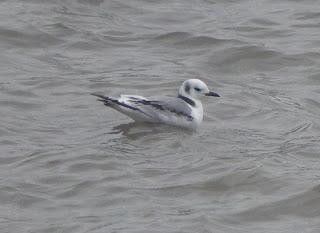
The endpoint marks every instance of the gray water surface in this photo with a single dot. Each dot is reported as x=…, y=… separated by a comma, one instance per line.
x=68, y=164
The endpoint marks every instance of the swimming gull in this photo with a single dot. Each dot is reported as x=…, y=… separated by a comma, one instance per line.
x=185, y=110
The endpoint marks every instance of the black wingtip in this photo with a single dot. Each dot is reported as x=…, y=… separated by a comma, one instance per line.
x=102, y=98
x=98, y=95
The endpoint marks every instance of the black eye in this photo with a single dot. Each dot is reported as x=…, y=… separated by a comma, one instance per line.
x=197, y=89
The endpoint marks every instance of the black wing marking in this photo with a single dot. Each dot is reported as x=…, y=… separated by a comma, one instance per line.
x=161, y=105
x=106, y=100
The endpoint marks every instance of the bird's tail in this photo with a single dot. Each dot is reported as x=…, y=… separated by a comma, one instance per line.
x=104, y=99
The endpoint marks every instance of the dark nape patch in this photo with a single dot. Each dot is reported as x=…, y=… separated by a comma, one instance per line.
x=186, y=99
x=187, y=88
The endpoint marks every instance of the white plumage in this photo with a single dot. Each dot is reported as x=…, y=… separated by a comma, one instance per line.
x=185, y=110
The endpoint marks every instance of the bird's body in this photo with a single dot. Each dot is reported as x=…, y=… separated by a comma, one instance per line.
x=185, y=110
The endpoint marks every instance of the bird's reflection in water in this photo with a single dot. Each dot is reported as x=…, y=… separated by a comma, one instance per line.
x=136, y=130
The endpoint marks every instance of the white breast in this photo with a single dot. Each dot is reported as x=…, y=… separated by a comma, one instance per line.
x=197, y=113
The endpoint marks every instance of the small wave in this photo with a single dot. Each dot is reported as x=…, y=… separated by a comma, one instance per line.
x=298, y=129
x=307, y=25
x=91, y=2
x=314, y=79
x=19, y=105
x=60, y=29
x=245, y=28
x=76, y=189
x=27, y=38
x=201, y=41
x=253, y=58
x=172, y=36
x=305, y=204
x=263, y=22
x=188, y=41
x=307, y=15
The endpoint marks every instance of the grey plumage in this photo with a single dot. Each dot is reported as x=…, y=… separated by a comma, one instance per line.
x=164, y=103
x=151, y=107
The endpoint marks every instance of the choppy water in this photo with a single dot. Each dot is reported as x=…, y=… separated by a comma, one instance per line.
x=70, y=165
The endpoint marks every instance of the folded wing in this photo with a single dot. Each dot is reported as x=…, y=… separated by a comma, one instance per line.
x=155, y=109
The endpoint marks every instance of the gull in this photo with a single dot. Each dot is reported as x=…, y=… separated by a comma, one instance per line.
x=185, y=110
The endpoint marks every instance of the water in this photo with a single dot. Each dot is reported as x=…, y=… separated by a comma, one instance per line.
x=70, y=165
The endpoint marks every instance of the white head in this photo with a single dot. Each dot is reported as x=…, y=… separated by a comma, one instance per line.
x=195, y=89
